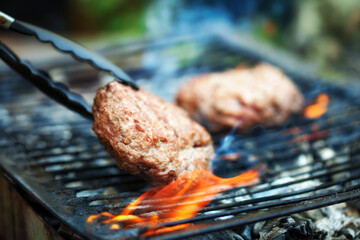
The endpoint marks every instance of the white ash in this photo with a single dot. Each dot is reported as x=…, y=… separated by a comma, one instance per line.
x=240, y=198
x=335, y=220
x=304, y=159
x=241, y=195
x=225, y=217
x=87, y=193
x=290, y=188
x=291, y=227
x=326, y=153
x=74, y=184
x=101, y=162
x=5, y=117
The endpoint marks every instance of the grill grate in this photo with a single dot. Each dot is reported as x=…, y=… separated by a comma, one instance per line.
x=53, y=155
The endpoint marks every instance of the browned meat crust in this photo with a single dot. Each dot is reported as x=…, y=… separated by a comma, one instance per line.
x=147, y=136
x=241, y=98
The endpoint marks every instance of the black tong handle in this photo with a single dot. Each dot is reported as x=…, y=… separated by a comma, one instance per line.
x=42, y=80
x=75, y=50
x=67, y=46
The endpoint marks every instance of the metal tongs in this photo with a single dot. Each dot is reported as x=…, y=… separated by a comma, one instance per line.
x=42, y=80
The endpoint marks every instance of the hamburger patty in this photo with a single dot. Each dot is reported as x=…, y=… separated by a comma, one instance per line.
x=148, y=137
x=241, y=98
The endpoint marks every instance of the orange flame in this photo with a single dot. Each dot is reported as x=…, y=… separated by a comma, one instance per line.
x=179, y=200
x=115, y=226
x=319, y=108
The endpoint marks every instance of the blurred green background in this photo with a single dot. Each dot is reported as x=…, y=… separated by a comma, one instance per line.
x=325, y=32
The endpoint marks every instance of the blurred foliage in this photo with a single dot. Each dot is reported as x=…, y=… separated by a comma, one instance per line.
x=110, y=16
x=326, y=32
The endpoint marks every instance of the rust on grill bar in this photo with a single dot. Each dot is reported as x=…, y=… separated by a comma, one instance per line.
x=55, y=159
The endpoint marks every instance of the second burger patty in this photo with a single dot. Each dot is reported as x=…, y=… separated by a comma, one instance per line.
x=241, y=98
x=147, y=136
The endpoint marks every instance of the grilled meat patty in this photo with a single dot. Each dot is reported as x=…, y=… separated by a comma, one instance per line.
x=241, y=98
x=147, y=136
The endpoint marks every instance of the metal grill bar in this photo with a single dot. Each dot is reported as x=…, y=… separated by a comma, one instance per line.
x=45, y=154
x=262, y=216
x=249, y=191
x=278, y=203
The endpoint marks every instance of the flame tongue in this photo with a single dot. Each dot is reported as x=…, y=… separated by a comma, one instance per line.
x=179, y=200
x=319, y=108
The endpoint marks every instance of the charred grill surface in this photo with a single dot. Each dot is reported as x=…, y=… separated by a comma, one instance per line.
x=55, y=157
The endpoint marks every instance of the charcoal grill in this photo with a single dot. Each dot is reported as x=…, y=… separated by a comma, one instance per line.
x=52, y=154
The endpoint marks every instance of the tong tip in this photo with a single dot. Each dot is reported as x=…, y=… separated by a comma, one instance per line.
x=127, y=82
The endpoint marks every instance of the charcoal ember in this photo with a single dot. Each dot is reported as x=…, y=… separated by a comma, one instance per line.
x=314, y=215
x=345, y=233
x=225, y=235
x=350, y=231
x=338, y=222
x=287, y=228
x=244, y=231
x=354, y=207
